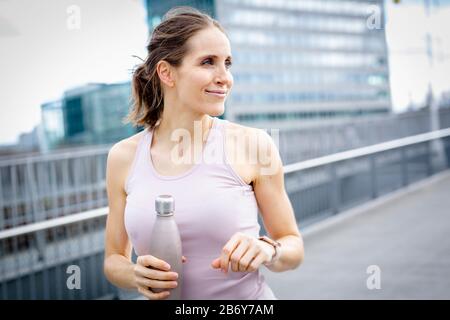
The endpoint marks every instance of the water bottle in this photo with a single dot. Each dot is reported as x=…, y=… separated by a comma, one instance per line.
x=165, y=241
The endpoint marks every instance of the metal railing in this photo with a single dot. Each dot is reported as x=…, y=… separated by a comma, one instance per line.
x=35, y=257
x=42, y=187
x=327, y=185
x=314, y=142
x=45, y=187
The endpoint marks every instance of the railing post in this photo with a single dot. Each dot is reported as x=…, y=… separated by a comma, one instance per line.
x=335, y=188
x=429, y=159
x=40, y=238
x=404, y=166
x=38, y=208
x=13, y=201
x=2, y=206
x=373, y=176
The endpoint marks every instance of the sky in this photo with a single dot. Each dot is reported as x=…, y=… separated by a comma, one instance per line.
x=43, y=52
x=50, y=46
x=409, y=66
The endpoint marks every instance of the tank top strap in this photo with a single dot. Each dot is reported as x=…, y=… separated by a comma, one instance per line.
x=139, y=160
x=216, y=153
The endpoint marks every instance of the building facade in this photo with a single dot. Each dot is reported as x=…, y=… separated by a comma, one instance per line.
x=300, y=62
x=87, y=115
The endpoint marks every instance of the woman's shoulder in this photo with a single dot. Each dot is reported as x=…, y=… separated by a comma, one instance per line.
x=254, y=143
x=251, y=134
x=122, y=152
x=239, y=129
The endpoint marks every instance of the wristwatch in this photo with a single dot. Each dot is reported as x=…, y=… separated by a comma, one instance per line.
x=275, y=245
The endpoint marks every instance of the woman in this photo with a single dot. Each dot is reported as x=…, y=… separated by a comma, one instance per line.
x=181, y=87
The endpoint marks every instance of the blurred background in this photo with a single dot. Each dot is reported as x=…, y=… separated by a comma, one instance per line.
x=360, y=93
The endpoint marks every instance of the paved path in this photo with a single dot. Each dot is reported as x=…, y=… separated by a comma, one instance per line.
x=407, y=237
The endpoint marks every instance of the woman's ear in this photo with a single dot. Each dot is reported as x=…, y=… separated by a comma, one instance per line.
x=165, y=73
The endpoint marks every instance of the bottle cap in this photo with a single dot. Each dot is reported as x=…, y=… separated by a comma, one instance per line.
x=165, y=205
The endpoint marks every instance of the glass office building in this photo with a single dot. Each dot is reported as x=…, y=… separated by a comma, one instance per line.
x=156, y=9
x=300, y=60
x=88, y=115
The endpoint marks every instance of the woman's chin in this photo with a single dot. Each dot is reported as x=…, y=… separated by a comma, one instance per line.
x=215, y=111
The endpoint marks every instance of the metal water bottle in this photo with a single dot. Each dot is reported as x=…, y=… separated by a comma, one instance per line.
x=165, y=241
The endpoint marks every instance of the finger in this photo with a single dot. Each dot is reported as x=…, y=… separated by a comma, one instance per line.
x=153, y=262
x=256, y=263
x=247, y=258
x=156, y=284
x=242, y=248
x=216, y=263
x=183, y=259
x=155, y=274
x=152, y=295
x=227, y=251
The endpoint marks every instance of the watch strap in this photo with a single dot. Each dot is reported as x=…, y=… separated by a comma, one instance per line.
x=276, y=245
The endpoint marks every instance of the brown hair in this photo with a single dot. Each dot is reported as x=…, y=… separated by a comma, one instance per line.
x=168, y=42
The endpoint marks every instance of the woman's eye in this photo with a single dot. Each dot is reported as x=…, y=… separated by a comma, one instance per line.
x=228, y=64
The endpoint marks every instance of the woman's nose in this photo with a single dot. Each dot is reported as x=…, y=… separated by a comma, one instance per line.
x=223, y=77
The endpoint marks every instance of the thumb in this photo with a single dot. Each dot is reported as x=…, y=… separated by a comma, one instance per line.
x=216, y=263
x=183, y=259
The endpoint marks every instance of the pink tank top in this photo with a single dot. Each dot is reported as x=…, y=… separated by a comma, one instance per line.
x=212, y=203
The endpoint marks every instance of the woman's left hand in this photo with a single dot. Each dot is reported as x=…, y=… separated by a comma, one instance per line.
x=244, y=252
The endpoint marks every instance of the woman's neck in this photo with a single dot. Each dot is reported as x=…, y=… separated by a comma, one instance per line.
x=171, y=130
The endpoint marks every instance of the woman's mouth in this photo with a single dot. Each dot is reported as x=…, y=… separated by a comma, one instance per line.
x=220, y=94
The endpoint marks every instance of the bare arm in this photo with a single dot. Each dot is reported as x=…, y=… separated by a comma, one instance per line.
x=118, y=267
x=275, y=206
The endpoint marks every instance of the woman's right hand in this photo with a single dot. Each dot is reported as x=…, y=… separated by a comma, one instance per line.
x=153, y=273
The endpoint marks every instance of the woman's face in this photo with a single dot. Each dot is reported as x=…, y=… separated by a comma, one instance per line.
x=205, y=70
